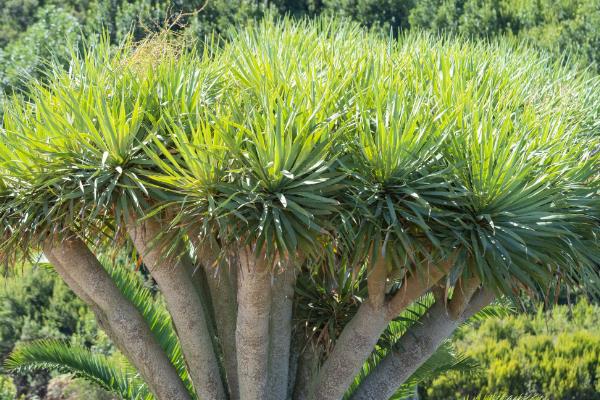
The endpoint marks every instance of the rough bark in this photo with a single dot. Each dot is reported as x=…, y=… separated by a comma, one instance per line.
x=222, y=286
x=352, y=348
x=79, y=292
x=359, y=337
x=463, y=291
x=281, y=331
x=128, y=329
x=308, y=367
x=415, y=347
x=415, y=286
x=184, y=305
x=252, y=328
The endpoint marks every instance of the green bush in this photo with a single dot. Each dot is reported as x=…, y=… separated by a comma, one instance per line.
x=7, y=389
x=554, y=354
x=32, y=30
x=36, y=304
x=560, y=27
x=48, y=38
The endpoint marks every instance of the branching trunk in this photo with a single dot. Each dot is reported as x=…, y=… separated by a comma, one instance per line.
x=186, y=309
x=352, y=348
x=252, y=328
x=359, y=337
x=79, y=292
x=222, y=284
x=415, y=347
x=262, y=328
x=463, y=292
x=281, y=331
x=127, y=327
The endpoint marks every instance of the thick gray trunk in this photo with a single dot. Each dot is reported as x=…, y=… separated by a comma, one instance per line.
x=281, y=332
x=359, y=337
x=415, y=347
x=308, y=367
x=252, y=328
x=79, y=292
x=222, y=284
x=128, y=328
x=186, y=309
x=352, y=348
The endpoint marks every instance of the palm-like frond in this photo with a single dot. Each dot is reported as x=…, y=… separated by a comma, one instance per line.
x=443, y=360
x=153, y=311
x=119, y=378
x=116, y=377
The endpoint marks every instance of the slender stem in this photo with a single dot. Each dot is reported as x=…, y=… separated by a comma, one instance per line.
x=414, y=348
x=222, y=286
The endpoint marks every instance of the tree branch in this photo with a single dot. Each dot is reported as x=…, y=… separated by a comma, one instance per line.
x=463, y=291
x=185, y=307
x=127, y=327
x=376, y=281
x=359, y=337
x=281, y=330
x=252, y=328
x=415, y=286
x=222, y=286
x=415, y=347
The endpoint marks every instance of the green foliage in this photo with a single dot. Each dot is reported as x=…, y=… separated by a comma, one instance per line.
x=97, y=368
x=422, y=147
x=553, y=354
x=36, y=304
x=7, y=388
x=34, y=30
x=48, y=38
x=561, y=27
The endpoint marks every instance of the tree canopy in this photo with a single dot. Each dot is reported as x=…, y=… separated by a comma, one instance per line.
x=422, y=158
x=310, y=135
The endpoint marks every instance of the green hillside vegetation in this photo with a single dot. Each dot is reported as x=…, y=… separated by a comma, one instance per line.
x=36, y=304
x=32, y=30
x=555, y=354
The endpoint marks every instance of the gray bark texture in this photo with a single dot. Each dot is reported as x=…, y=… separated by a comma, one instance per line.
x=281, y=331
x=252, y=328
x=222, y=284
x=415, y=347
x=186, y=309
x=352, y=348
x=359, y=337
x=128, y=329
x=308, y=367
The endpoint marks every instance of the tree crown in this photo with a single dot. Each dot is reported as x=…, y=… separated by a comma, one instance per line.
x=319, y=138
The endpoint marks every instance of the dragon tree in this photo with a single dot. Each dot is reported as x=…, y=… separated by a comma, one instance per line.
x=245, y=176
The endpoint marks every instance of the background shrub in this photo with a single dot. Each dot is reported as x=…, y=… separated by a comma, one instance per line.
x=36, y=304
x=555, y=354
